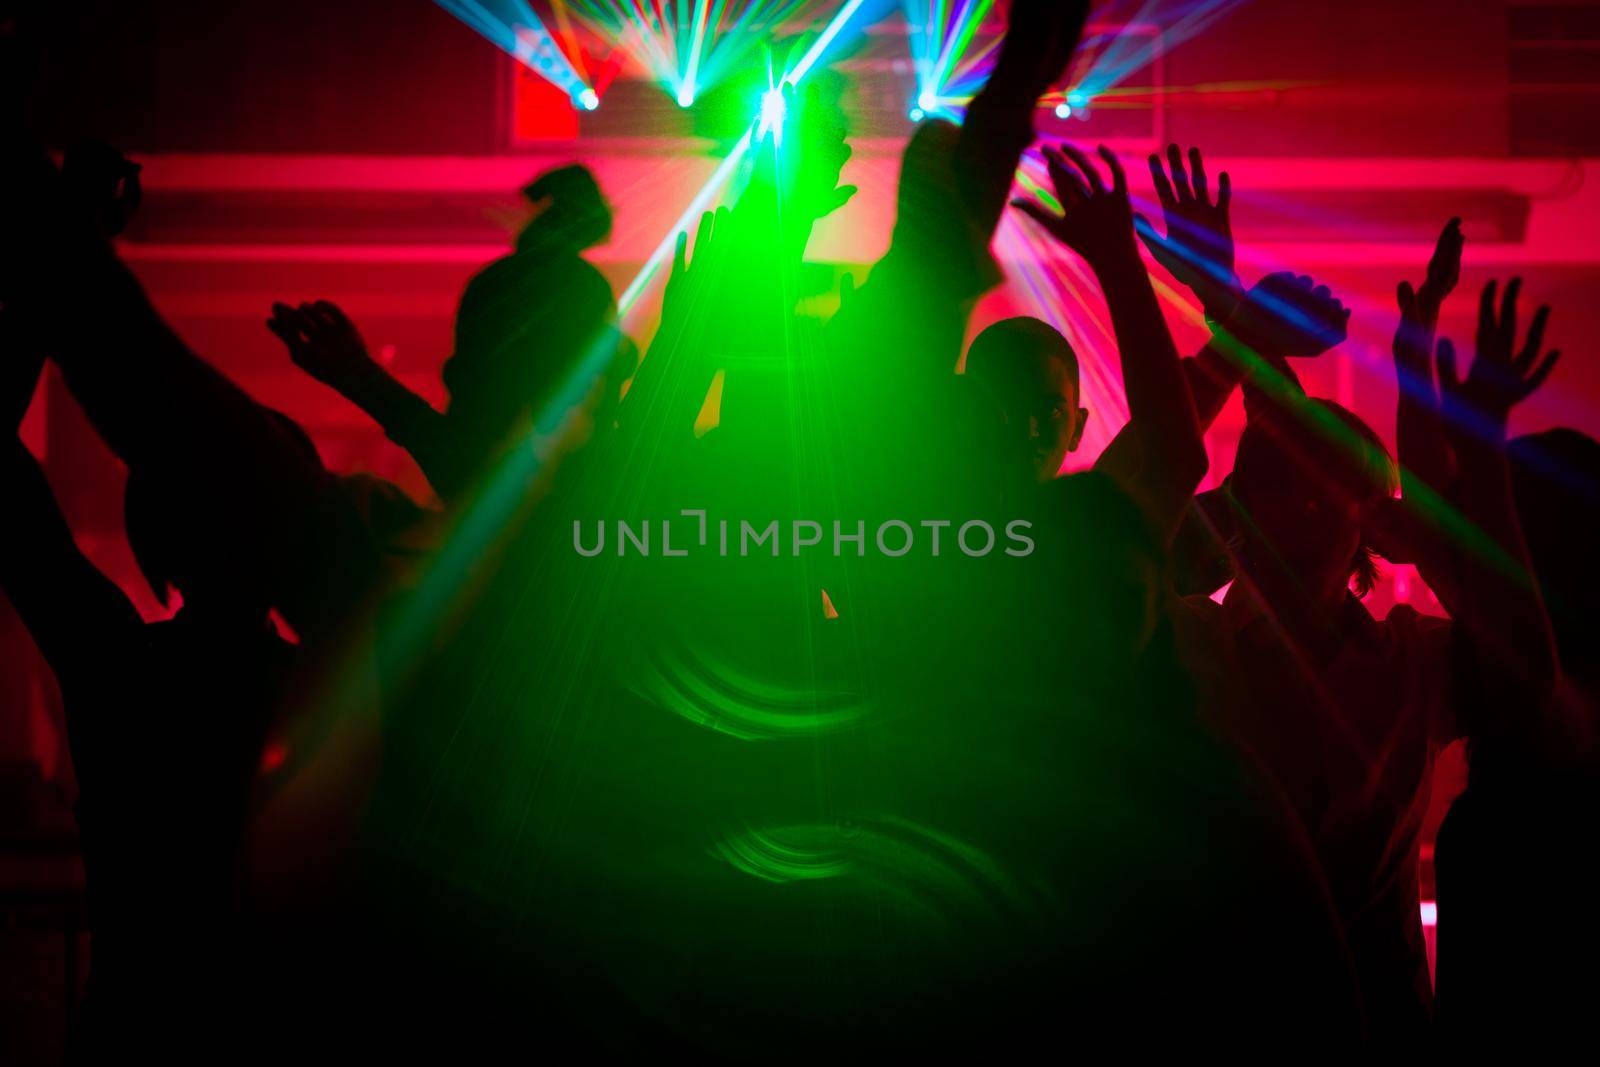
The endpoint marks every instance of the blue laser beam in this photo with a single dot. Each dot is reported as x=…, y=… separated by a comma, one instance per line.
x=1127, y=53
x=512, y=27
x=814, y=54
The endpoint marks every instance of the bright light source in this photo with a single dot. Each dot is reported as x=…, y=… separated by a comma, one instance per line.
x=820, y=45
x=928, y=102
x=917, y=114
x=1063, y=111
x=686, y=97
x=774, y=109
x=589, y=99
x=1076, y=98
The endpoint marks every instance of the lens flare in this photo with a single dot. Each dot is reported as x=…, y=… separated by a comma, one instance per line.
x=774, y=109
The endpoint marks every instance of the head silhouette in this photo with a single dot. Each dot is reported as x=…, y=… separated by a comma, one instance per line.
x=1305, y=496
x=1032, y=372
x=521, y=331
x=572, y=212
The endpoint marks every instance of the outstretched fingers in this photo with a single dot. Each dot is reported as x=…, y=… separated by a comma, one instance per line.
x=1037, y=212
x=1158, y=176
x=287, y=323
x=1542, y=372
x=1444, y=269
x=1487, y=327
x=1449, y=379
x=1091, y=174
x=1197, y=175
x=680, y=257
x=1507, y=335
x=1406, y=297
x=705, y=232
x=1119, y=177
x=329, y=316
x=1530, y=351
x=1180, y=179
x=1066, y=181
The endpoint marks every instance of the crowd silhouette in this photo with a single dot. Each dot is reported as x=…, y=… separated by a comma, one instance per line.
x=423, y=779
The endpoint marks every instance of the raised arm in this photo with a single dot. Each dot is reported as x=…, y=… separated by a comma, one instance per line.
x=1198, y=247
x=1283, y=315
x=1501, y=615
x=1254, y=334
x=1041, y=36
x=323, y=342
x=671, y=383
x=161, y=407
x=1198, y=250
x=954, y=184
x=1414, y=527
x=1098, y=225
x=1425, y=461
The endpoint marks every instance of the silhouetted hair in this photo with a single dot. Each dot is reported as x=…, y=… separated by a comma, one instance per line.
x=1001, y=355
x=1343, y=451
x=575, y=214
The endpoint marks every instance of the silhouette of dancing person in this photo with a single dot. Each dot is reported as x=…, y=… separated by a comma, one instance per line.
x=526, y=323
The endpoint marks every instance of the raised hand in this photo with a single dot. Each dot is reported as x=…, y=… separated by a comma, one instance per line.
x=794, y=186
x=1198, y=247
x=813, y=188
x=690, y=285
x=1426, y=461
x=1498, y=379
x=1097, y=222
x=682, y=352
x=1444, y=272
x=1291, y=316
x=1419, y=308
x=1496, y=601
x=323, y=342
